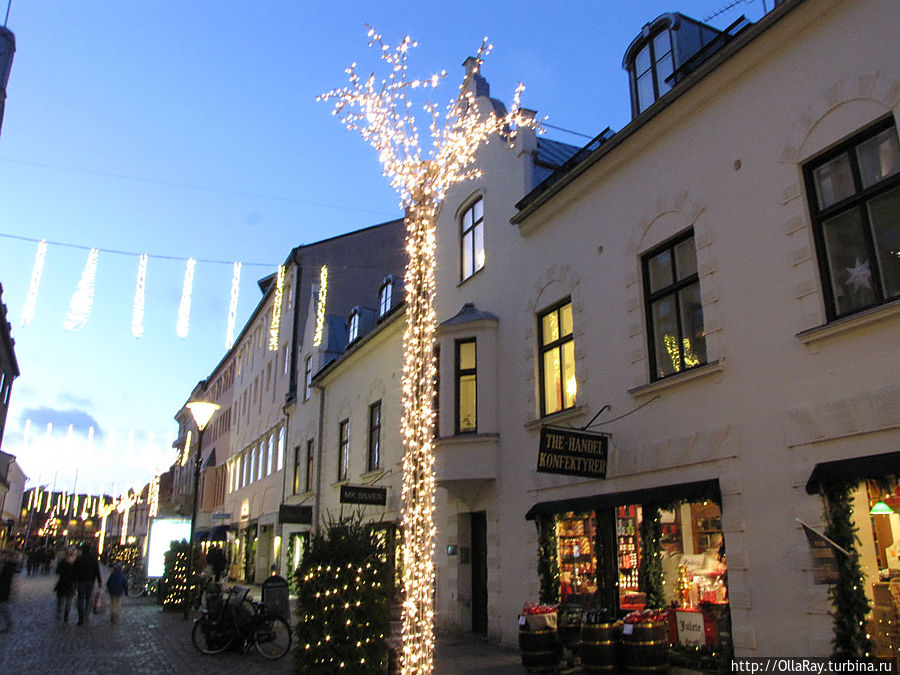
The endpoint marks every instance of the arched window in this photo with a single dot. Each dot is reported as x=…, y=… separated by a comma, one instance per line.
x=472, y=239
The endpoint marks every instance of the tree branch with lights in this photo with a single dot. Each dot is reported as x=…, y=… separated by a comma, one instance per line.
x=382, y=112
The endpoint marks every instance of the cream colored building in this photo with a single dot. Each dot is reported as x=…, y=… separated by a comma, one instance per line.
x=734, y=379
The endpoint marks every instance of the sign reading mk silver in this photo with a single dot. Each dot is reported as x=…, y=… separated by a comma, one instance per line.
x=572, y=452
x=361, y=494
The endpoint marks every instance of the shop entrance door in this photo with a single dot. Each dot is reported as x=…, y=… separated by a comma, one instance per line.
x=479, y=574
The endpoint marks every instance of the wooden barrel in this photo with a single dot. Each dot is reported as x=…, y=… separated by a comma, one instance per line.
x=540, y=649
x=599, y=648
x=646, y=648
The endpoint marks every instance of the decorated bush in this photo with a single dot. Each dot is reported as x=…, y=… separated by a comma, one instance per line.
x=174, y=584
x=343, y=616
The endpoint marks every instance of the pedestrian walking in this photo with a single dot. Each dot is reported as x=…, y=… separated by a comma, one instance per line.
x=66, y=584
x=7, y=569
x=117, y=585
x=87, y=570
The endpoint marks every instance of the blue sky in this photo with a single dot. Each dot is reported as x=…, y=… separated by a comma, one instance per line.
x=191, y=129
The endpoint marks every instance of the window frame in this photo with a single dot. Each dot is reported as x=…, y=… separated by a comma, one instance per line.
x=373, y=461
x=674, y=289
x=477, y=227
x=307, y=378
x=658, y=82
x=297, y=466
x=343, y=472
x=352, y=326
x=856, y=203
x=385, y=296
x=557, y=344
x=310, y=459
x=459, y=373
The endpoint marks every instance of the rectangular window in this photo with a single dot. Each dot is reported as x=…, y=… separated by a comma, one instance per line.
x=307, y=379
x=298, y=468
x=279, y=450
x=466, y=387
x=270, y=457
x=344, y=450
x=310, y=448
x=472, y=239
x=674, y=311
x=854, y=196
x=557, y=362
x=374, y=460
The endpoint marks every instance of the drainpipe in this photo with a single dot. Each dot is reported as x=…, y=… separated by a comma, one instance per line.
x=320, y=435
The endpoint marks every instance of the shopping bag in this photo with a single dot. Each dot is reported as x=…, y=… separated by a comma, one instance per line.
x=98, y=602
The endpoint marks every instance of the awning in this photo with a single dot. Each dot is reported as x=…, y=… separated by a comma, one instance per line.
x=219, y=533
x=855, y=468
x=201, y=535
x=664, y=494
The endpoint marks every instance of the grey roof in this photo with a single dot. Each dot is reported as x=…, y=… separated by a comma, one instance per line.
x=469, y=313
x=553, y=153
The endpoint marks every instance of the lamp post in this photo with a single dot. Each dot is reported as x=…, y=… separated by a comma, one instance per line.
x=202, y=412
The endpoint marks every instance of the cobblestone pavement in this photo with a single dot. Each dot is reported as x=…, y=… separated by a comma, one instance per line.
x=147, y=640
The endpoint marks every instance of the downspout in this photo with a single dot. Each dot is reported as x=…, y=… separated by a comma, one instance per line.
x=320, y=435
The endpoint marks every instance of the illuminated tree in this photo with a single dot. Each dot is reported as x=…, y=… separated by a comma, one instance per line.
x=381, y=111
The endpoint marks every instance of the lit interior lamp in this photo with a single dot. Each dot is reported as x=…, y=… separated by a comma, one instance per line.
x=880, y=508
x=202, y=412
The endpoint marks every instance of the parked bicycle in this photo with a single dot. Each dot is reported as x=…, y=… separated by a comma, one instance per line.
x=231, y=620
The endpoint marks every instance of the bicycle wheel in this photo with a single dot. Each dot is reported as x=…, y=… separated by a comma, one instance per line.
x=272, y=637
x=211, y=637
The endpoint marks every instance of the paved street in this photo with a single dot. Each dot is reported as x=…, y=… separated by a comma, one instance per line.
x=148, y=640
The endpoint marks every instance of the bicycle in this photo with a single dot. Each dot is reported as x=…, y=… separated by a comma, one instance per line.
x=235, y=621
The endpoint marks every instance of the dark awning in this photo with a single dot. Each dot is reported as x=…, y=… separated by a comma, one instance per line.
x=698, y=491
x=219, y=533
x=201, y=535
x=855, y=468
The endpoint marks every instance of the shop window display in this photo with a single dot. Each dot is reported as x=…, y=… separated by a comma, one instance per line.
x=576, y=535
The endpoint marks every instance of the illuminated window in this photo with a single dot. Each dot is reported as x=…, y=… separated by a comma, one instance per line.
x=557, y=362
x=279, y=450
x=310, y=449
x=374, y=460
x=352, y=326
x=270, y=456
x=677, y=339
x=298, y=469
x=466, y=387
x=307, y=378
x=854, y=197
x=472, y=239
x=385, y=293
x=344, y=450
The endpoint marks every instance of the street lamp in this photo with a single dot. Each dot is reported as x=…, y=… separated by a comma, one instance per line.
x=202, y=412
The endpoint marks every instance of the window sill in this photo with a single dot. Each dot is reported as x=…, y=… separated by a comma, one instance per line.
x=850, y=323
x=699, y=372
x=556, y=418
x=338, y=483
x=462, y=439
x=302, y=496
x=471, y=276
x=372, y=475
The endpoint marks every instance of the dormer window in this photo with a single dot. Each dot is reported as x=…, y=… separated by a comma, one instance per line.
x=652, y=65
x=385, y=296
x=352, y=326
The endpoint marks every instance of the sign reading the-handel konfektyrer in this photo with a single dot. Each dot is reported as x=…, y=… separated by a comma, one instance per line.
x=573, y=453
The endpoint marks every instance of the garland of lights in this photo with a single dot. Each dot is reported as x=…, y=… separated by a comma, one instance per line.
x=381, y=113
x=233, y=304
x=36, y=272
x=83, y=298
x=548, y=559
x=184, y=307
x=276, y=310
x=137, y=313
x=650, y=573
x=320, y=306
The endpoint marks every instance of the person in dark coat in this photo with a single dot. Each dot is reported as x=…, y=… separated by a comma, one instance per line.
x=7, y=569
x=216, y=560
x=87, y=570
x=66, y=584
x=117, y=585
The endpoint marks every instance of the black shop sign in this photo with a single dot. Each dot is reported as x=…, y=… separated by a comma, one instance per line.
x=572, y=452
x=361, y=494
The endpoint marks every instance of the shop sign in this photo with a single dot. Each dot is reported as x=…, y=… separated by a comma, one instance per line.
x=690, y=628
x=824, y=555
x=572, y=452
x=361, y=494
x=289, y=513
x=217, y=515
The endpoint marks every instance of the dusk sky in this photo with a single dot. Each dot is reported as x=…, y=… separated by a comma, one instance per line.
x=191, y=130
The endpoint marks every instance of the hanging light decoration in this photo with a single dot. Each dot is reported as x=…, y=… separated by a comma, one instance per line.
x=232, y=306
x=184, y=307
x=276, y=310
x=137, y=313
x=381, y=113
x=320, y=306
x=83, y=298
x=36, y=272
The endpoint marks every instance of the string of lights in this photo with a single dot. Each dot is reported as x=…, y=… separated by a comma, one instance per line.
x=382, y=114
